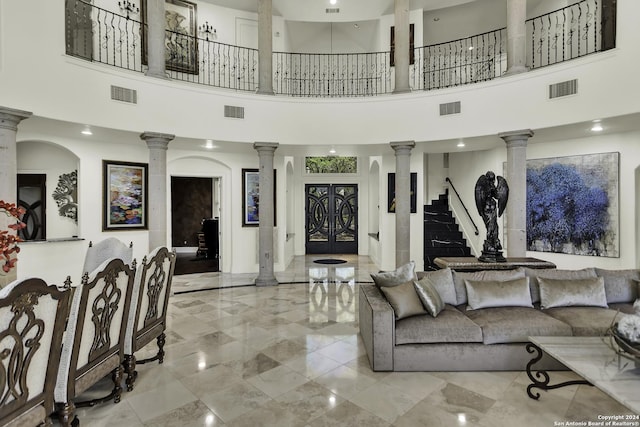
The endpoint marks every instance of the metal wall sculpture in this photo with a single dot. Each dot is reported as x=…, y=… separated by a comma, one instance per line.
x=491, y=199
x=66, y=195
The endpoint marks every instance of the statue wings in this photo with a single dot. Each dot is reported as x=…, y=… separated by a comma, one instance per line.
x=483, y=191
x=502, y=195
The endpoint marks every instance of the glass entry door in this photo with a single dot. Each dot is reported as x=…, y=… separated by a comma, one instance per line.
x=331, y=218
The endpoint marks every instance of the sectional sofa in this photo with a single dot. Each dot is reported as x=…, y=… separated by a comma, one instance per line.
x=485, y=317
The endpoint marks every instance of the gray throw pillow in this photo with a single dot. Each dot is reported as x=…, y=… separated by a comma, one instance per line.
x=567, y=293
x=499, y=275
x=429, y=296
x=553, y=273
x=620, y=285
x=404, y=300
x=442, y=281
x=493, y=293
x=400, y=275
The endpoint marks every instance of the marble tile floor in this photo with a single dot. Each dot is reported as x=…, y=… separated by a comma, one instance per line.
x=290, y=355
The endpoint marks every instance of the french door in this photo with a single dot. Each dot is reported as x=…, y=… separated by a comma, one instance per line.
x=331, y=218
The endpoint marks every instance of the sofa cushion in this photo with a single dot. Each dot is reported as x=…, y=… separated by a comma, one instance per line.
x=620, y=285
x=404, y=300
x=622, y=307
x=451, y=325
x=501, y=275
x=576, y=292
x=515, y=324
x=553, y=273
x=429, y=296
x=400, y=275
x=493, y=293
x=584, y=321
x=442, y=280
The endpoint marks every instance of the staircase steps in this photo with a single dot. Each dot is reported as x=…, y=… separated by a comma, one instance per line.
x=442, y=236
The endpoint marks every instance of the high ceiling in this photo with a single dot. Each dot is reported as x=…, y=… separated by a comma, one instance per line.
x=350, y=10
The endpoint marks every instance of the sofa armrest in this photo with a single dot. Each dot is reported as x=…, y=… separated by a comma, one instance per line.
x=377, y=322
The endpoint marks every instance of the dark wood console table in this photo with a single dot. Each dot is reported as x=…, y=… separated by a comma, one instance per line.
x=472, y=263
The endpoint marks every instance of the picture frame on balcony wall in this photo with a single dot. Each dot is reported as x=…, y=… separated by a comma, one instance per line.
x=251, y=197
x=124, y=199
x=181, y=42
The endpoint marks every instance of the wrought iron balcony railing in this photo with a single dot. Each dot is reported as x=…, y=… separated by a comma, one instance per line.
x=103, y=36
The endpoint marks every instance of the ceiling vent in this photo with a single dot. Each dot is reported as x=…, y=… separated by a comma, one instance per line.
x=450, y=108
x=123, y=94
x=570, y=87
x=234, y=112
x=332, y=10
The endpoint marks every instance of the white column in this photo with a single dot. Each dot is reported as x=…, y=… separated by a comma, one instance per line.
x=265, y=47
x=9, y=120
x=401, y=53
x=403, y=200
x=516, y=36
x=516, y=210
x=157, y=187
x=155, y=39
x=266, y=211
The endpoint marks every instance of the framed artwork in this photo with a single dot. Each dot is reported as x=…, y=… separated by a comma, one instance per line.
x=391, y=192
x=412, y=56
x=251, y=197
x=181, y=43
x=124, y=195
x=572, y=205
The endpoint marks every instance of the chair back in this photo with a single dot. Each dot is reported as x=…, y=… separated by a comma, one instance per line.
x=93, y=343
x=150, y=299
x=104, y=250
x=32, y=322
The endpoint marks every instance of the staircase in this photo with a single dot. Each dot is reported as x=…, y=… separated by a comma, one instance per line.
x=442, y=236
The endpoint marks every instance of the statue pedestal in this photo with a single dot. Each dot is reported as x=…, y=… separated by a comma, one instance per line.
x=492, y=257
x=474, y=264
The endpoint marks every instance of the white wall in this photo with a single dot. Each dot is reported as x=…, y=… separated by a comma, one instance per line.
x=452, y=23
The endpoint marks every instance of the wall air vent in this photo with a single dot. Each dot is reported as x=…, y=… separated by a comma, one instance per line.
x=332, y=10
x=234, y=112
x=450, y=108
x=570, y=87
x=123, y=94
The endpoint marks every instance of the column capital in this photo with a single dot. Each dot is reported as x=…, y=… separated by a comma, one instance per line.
x=10, y=118
x=402, y=147
x=265, y=146
x=157, y=140
x=516, y=138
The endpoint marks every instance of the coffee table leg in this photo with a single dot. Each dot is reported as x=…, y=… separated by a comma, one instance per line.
x=540, y=379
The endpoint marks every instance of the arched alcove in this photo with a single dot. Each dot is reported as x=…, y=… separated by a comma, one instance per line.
x=374, y=210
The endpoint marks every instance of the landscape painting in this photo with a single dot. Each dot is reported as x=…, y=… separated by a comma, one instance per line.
x=572, y=205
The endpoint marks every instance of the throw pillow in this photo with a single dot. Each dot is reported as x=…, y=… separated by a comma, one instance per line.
x=554, y=273
x=429, y=296
x=499, y=275
x=400, y=275
x=577, y=292
x=493, y=293
x=404, y=300
x=619, y=285
x=442, y=281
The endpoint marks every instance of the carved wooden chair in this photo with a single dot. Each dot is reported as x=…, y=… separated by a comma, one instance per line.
x=106, y=249
x=93, y=342
x=32, y=321
x=148, y=315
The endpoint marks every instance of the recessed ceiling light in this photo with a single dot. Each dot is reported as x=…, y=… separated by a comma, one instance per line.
x=333, y=1
x=86, y=131
x=460, y=144
x=597, y=126
x=209, y=145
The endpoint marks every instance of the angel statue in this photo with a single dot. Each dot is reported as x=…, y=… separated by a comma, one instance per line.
x=491, y=201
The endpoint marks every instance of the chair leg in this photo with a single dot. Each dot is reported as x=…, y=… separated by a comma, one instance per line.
x=161, y=341
x=129, y=365
x=116, y=376
x=66, y=414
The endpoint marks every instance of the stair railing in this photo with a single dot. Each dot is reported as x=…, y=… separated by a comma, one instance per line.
x=463, y=205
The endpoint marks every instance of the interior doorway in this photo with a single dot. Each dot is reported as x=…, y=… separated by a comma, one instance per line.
x=331, y=225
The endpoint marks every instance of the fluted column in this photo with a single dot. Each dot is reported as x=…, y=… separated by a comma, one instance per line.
x=401, y=53
x=265, y=47
x=266, y=211
x=9, y=120
x=403, y=200
x=157, y=188
x=155, y=39
x=516, y=210
x=516, y=36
